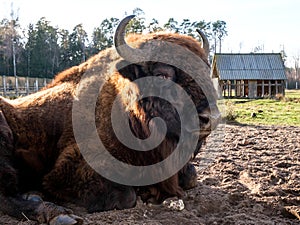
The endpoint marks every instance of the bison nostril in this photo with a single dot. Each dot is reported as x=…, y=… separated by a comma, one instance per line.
x=210, y=118
x=204, y=119
x=210, y=122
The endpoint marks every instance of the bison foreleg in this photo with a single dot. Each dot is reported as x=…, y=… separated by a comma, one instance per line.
x=187, y=177
x=72, y=179
x=14, y=204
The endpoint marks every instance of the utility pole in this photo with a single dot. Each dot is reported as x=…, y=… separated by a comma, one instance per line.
x=13, y=39
x=14, y=65
x=296, y=70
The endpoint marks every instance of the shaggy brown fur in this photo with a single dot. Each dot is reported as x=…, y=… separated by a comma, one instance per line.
x=39, y=152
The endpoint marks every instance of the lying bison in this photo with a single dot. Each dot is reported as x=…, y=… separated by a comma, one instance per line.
x=39, y=150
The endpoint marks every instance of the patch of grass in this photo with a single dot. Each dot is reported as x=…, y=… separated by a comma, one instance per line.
x=278, y=111
x=292, y=94
x=230, y=114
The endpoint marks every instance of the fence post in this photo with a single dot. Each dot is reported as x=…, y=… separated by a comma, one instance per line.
x=17, y=86
x=4, y=85
x=36, y=84
x=27, y=86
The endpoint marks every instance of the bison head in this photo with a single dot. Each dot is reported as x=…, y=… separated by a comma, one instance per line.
x=157, y=55
x=156, y=98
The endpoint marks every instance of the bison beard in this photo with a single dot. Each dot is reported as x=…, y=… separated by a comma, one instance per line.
x=38, y=151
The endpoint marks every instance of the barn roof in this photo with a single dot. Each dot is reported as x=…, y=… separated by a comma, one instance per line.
x=252, y=66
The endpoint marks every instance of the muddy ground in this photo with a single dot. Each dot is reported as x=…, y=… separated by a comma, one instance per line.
x=247, y=175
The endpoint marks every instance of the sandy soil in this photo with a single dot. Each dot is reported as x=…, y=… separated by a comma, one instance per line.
x=247, y=175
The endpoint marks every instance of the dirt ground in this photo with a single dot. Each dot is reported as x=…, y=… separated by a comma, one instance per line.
x=247, y=175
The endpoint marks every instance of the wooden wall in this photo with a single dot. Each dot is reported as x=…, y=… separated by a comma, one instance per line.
x=252, y=88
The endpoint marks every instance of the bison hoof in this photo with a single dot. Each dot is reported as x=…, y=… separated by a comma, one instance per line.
x=32, y=197
x=66, y=220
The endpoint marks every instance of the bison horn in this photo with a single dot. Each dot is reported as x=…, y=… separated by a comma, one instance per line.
x=124, y=50
x=205, y=43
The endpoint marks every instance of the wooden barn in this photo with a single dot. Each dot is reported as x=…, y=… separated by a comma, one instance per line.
x=252, y=75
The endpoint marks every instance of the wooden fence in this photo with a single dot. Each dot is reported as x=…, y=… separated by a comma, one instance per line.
x=11, y=86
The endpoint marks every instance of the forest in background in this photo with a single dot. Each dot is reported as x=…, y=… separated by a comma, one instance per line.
x=42, y=50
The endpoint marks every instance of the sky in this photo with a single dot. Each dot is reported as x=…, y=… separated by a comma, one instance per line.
x=272, y=25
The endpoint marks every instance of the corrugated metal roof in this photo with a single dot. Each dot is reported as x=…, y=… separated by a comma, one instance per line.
x=263, y=66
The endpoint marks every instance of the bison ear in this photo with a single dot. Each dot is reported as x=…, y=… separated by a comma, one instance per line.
x=131, y=71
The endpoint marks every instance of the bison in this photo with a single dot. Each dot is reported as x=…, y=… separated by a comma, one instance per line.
x=40, y=149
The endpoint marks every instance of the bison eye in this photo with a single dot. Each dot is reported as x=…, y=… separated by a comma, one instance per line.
x=164, y=71
x=164, y=76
